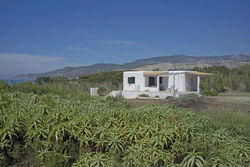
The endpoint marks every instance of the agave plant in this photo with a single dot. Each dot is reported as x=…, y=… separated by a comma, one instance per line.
x=132, y=135
x=60, y=132
x=83, y=160
x=93, y=160
x=105, y=132
x=165, y=137
x=115, y=142
x=193, y=159
x=13, y=129
x=86, y=143
x=147, y=130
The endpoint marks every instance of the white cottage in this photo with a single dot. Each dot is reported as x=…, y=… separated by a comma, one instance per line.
x=162, y=84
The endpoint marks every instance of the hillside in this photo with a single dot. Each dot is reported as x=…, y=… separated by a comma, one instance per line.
x=163, y=63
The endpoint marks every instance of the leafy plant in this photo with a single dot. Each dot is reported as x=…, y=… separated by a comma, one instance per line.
x=59, y=131
x=193, y=159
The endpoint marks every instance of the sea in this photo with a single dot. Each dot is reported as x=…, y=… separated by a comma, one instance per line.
x=14, y=81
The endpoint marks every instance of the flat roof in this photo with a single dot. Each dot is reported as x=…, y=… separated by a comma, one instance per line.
x=154, y=73
x=199, y=73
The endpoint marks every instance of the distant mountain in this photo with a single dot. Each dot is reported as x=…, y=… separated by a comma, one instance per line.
x=163, y=63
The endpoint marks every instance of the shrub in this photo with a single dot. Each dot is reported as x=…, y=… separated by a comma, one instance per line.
x=210, y=93
x=42, y=80
x=101, y=91
x=4, y=86
x=190, y=95
x=235, y=79
x=143, y=95
x=113, y=77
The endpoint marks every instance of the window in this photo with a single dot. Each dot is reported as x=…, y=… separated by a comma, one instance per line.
x=131, y=80
x=152, y=81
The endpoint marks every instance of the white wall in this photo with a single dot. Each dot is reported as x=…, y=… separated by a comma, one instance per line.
x=177, y=79
x=135, y=94
x=171, y=81
x=181, y=85
x=164, y=84
x=139, y=80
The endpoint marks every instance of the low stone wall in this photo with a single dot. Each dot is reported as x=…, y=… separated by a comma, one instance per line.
x=160, y=95
x=115, y=93
x=135, y=94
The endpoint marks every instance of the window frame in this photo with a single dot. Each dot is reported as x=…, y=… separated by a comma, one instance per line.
x=150, y=82
x=131, y=80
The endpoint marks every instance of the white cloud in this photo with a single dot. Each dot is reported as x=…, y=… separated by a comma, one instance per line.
x=15, y=64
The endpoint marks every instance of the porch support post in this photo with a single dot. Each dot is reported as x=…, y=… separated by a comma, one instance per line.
x=198, y=84
x=158, y=83
x=211, y=83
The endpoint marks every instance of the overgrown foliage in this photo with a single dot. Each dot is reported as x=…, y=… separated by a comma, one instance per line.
x=50, y=130
x=51, y=80
x=105, y=81
x=112, y=79
x=4, y=86
x=209, y=92
x=225, y=79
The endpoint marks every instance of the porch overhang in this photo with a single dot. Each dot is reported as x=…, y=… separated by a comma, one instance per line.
x=199, y=73
x=155, y=73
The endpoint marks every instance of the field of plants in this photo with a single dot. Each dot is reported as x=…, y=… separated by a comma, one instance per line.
x=52, y=130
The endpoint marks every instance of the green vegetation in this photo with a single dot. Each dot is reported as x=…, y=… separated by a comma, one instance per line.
x=225, y=79
x=209, y=92
x=143, y=95
x=4, y=86
x=106, y=82
x=112, y=79
x=238, y=122
x=53, y=80
x=53, y=122
x=51, y=130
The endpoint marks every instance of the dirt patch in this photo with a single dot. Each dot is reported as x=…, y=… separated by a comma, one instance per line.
x=223, y=103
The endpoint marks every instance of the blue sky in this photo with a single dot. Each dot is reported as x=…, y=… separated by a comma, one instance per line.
x=38, y=36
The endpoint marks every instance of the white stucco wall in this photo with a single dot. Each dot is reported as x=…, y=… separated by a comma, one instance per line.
x=171, y=81
x=179, y=79
x=181, y=85
x=164, y=84
x=139, y=80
